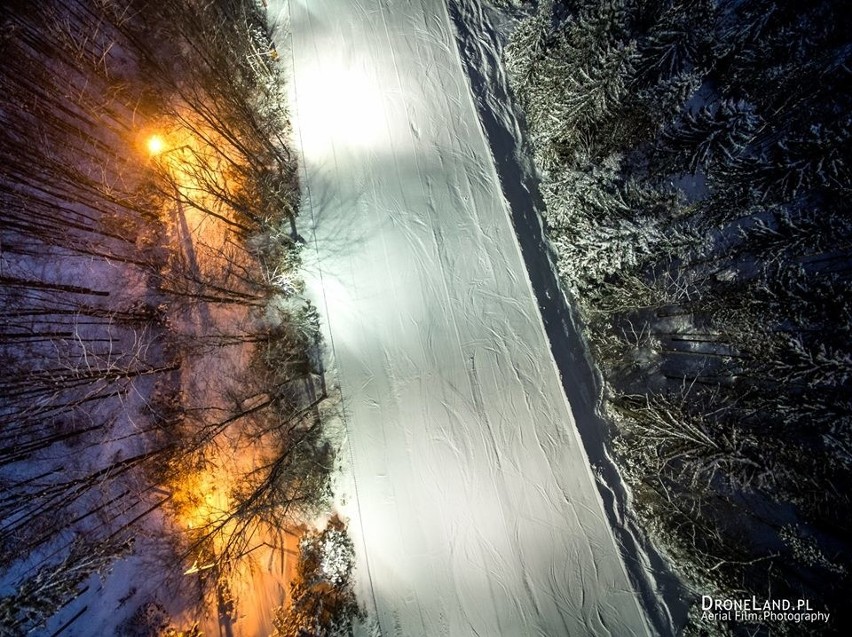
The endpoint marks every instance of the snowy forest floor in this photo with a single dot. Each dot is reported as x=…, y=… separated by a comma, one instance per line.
x=161, y=402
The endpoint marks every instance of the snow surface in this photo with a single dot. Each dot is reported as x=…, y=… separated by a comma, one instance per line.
x=476, y=510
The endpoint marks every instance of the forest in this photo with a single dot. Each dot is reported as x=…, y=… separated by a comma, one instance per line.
x=694, y=160
x=160, y=385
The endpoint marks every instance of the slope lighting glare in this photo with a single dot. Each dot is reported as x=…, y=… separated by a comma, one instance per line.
x=345, y=104
x=156, y=144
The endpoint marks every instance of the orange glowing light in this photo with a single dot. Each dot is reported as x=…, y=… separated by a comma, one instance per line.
x=156, y=144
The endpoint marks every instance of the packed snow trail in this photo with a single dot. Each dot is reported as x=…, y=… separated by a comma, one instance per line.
x=476, y=512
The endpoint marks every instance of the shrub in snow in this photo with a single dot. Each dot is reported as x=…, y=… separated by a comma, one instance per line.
x=322, y=602
x=152, y=620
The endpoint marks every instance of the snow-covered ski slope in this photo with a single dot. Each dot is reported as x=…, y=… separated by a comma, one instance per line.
x=477, y=512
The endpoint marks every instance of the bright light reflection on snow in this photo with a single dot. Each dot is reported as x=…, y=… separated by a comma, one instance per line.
x=344, y=104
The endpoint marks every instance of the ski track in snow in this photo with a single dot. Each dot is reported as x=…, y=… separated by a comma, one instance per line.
x=477, y=512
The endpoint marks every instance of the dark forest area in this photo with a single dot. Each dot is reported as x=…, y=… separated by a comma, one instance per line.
x=695, y=165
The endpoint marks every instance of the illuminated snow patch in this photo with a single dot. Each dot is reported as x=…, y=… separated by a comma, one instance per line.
x=343, y=103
